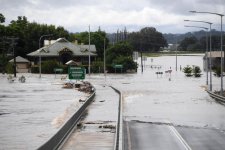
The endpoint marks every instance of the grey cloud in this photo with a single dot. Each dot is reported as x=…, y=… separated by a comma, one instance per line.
x=13, y=4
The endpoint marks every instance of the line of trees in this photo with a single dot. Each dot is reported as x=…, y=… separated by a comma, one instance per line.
x=28, y=33
x=148, y=39
x=194, y=44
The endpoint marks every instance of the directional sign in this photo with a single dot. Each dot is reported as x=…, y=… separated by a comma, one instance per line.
x=76, y=73
x=118, y=66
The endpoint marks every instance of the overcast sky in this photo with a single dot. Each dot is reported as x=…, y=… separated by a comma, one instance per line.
x=75, y=15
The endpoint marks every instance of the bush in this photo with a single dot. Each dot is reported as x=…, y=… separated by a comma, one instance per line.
x=9, y=68
x=48, y=66
x=35, y=69
x=127, y=62
x=97, y=67
x=120, y=53
x=196, y=71
x=217, y=71
x=188, y=71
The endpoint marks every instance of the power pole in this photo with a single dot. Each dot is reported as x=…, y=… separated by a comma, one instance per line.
x=13, y=43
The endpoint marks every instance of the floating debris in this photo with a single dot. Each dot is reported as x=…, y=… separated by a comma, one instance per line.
x=22, y=79
x=86, y=87
x=81, y=100
x=10, y=79
x=68, y=85
x=107, y=126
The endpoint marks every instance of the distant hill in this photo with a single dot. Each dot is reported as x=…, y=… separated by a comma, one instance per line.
x=171, y=38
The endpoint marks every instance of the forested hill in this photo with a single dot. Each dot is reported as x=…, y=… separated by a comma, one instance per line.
x=172, y=38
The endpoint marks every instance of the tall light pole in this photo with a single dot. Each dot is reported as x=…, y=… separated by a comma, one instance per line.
x=89, y=57
x=40, y=52
x=206, y=49
x=104, y=60
x=176, y=53
x=210, y=49
x=221, y=46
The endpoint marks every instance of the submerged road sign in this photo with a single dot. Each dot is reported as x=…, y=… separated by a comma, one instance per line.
x=76, y=73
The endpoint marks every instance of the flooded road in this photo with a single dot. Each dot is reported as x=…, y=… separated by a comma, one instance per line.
x=169, y=111
x=32, y=112
x=175, y=114
x=97, y=129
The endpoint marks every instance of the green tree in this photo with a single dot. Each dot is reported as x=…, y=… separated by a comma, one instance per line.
x=147, y=39
x=2, y=18
x=196, y=71
x=188, y=71
x=28, y=34
x=189, y=43
x=96, y=38
x=120, y=53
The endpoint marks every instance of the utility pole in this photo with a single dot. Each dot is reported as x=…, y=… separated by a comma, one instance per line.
x=13, y=39
x=104, y=61
x=89, y=57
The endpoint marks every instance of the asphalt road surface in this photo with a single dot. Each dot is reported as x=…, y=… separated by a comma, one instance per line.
x=165, y=136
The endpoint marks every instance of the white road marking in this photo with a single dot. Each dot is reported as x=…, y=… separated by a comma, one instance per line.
x=128, y=137
x=177, y=134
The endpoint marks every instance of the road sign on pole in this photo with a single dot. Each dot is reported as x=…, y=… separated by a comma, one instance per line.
x=76, y=73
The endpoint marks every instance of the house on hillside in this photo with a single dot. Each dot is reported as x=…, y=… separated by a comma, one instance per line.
x=63, y=51
x=22, y=64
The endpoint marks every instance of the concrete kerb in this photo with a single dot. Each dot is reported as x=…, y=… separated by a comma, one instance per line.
x=217, y=97
x=56, y=141
x=118, y=143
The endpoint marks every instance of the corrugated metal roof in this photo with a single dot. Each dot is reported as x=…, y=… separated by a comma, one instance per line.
x=62, y=44
x=20, y=59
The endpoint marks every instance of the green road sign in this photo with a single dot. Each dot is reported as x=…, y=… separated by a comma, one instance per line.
x=76, y=73
x=118, y=66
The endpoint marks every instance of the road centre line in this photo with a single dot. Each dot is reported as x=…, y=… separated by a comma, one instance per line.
x=128, y=136
x=177, y=134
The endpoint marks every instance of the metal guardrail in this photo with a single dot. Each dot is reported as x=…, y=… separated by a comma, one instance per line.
x=219, y=98
x=118, y=144
x=60, y=137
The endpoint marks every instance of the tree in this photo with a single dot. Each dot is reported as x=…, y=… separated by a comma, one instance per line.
x=147, y=39
x=28, y=34
x=96, y=38
x=188, y=43
x=196, y=71
x=2, y=18
x=120, y=53
x=188, y=71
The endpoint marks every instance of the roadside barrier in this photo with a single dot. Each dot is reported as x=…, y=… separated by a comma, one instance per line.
x=217, y=97
x=118, y=144
x=60, y=137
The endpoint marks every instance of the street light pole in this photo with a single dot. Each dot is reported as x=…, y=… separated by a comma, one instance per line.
x=89, y=57
x=221, y=48
x=40, y=52
x=104, y=60
x=176, y=53
x=210, y=49
x=206, y=50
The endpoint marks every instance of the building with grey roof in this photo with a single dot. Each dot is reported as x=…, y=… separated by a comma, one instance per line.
x=22, y=64
x=64, y=51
